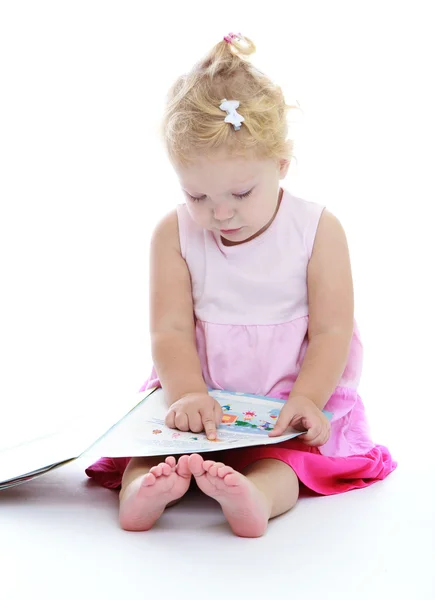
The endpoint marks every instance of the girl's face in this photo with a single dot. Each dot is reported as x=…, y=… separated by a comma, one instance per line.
x=232, y=196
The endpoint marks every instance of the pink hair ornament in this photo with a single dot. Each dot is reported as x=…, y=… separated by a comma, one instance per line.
x=232, y=36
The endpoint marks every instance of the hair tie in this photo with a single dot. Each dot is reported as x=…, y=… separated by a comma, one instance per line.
x=232, y=36
x=233, y=117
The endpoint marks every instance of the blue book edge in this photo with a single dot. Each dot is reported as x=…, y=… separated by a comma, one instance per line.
x=328, y=414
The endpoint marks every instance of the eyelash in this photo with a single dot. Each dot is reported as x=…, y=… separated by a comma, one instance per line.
x=240, y=197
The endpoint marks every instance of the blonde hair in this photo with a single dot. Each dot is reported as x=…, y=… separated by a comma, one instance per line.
x=194, y=124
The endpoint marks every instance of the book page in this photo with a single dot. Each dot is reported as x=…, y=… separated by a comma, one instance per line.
x=246, y=421
x=30, y=459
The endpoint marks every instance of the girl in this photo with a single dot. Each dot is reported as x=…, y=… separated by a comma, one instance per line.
x=251, y=290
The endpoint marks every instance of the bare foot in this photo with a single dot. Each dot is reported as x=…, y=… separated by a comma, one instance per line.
x=146, y=497
x=244, y=506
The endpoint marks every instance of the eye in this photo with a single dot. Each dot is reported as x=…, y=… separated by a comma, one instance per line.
x=195, y=199
x=239, y=196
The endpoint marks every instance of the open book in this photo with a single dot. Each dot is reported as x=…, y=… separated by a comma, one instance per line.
x=247, y=420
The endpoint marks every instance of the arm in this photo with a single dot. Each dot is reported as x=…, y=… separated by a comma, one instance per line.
x=331, y=308
x=172, y=329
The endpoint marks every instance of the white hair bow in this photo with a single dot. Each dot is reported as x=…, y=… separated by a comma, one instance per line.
x=233, y=117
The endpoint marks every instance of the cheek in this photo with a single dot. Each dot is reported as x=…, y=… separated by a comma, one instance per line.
x=198, y=213
x=260, y=213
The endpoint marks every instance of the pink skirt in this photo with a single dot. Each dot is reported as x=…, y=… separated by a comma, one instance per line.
x=319, y=474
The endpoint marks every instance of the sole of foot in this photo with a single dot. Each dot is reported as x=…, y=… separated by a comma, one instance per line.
x=146, y=497
x=243, y=504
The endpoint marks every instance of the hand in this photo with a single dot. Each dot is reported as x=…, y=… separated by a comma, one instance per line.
x=195, y=412
x=302, y=414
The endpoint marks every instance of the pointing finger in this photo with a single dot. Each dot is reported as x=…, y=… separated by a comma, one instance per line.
x=218, y=413
x=208, y=420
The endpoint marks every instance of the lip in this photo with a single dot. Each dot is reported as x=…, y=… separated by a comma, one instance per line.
x=230, y=230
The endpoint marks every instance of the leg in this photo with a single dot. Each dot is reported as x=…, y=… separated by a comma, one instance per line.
x=148, y=487
x=268, y=488
x=278, y=482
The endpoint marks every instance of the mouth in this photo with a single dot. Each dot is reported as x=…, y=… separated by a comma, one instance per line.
x=230, y=231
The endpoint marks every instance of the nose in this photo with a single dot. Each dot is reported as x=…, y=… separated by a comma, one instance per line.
x=223, y=212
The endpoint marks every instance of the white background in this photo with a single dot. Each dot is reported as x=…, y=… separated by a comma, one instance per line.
x=84, y=178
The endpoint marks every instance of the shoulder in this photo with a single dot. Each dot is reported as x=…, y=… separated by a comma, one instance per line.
x=329, y=265
x=166, y=231
x=303, y=221
x=179, y=230
x=304, y=214
x=330, y=234
x=301, y=207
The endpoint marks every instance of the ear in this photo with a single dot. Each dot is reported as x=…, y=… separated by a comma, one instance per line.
x=284, y=165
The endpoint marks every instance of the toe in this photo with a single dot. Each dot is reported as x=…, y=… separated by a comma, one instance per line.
x=166, y=469
x=213, y=468
x=156, y=471
x=225, y=470
x=149, y=479
x=183, y=466
x=170, y=460
x=196, y=463
x=232, y=479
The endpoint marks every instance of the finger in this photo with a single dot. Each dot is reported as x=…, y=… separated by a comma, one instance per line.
x=321, y=439
x=209, y=424
x=281, y=425
x=300, y=423
x=218, y=413
x=314, y=437
x=170, y=419
x=195, y=422
x=182, y=422
x=277, y=430
x=312, y=433
x=327, y=434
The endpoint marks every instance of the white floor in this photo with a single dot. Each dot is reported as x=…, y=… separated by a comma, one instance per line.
x=59, y=538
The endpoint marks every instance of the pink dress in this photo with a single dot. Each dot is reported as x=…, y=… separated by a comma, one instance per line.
x=251, y=309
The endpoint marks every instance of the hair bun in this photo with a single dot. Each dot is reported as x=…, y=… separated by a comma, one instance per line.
x=239, y=44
